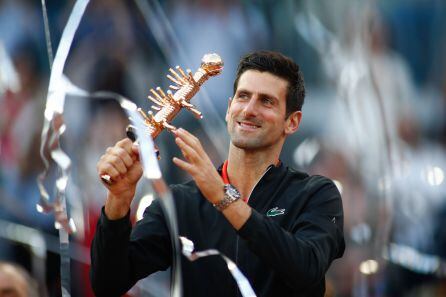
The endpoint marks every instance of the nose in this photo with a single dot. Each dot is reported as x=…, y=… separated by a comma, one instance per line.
x=250, y=109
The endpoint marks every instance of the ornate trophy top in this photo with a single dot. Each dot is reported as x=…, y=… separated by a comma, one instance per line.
x=186, y=85
x=212, y=63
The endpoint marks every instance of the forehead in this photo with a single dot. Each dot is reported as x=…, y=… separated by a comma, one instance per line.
x=263, y=83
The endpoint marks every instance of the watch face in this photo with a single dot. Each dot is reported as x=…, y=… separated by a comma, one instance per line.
x=232, y=191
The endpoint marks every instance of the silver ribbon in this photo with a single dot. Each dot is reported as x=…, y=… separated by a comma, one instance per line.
x=242, y=282
x=53, y=128
x=49, y=47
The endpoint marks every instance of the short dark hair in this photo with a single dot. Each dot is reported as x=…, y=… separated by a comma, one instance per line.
x=281, y=66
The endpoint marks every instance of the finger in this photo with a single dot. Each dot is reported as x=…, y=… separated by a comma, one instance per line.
x=108, y=169
x=135, y=172
x=188, y=138
x=123, y=155
x=117, y=163
x=188, y=152
x=187, y=133
x=125, y=144
x=183, y=165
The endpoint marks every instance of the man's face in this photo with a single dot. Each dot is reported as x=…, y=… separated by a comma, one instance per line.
x=256, y=115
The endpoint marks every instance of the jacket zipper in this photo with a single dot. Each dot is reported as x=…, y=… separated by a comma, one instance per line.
x=249, y=197
x=237, y=239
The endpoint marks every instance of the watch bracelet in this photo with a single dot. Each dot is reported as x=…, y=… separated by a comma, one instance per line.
x=224, y=203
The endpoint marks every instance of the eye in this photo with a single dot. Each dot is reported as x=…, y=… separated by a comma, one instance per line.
x=267, y=101
x=242, y=96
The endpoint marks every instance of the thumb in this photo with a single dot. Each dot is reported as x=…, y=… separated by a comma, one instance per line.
x=135, y=171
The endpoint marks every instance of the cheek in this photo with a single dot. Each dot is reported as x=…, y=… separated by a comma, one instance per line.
x=232, y=112
x=272, y=117
x=276, y=122
x=229, y=115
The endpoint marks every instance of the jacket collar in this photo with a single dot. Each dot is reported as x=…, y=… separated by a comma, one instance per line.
x=271, y=171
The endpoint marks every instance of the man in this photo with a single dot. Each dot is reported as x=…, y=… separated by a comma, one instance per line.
x=282, y=233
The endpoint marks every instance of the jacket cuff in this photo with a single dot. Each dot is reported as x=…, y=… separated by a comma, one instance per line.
x=250, y=228
x=116, y=226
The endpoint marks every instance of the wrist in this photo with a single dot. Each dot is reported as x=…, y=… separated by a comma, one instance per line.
x=116, y=208
x=215, y=193
x=230, y=195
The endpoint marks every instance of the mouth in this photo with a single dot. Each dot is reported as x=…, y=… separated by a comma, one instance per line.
x=248, y=125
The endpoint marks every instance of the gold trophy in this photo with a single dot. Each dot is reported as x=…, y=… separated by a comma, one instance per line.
x=168, y=104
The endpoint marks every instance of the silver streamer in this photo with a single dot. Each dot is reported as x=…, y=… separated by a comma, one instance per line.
x=53, y=128
x=49, y=46
x=242, y=282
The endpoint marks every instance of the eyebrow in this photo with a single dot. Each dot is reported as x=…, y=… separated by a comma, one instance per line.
x=241, y=90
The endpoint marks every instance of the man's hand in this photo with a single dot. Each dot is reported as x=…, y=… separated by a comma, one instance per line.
x=198, y=165
x=121, y=163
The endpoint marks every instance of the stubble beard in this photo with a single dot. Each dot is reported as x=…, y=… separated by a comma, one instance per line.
x=246, y=144
x=245, y=141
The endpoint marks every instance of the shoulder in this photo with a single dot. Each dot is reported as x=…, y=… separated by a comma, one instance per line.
x=320, y=181
x=315, y=189
x=310, y=182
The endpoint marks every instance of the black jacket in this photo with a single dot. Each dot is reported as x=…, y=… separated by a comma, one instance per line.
x=284, y=249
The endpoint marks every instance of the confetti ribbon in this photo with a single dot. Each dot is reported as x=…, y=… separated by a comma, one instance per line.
x=242, y=282
x=53, y=128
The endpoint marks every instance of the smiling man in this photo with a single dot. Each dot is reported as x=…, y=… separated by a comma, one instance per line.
x=282, y=227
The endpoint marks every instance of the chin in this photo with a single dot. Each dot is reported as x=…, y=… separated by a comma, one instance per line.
x=247, y=144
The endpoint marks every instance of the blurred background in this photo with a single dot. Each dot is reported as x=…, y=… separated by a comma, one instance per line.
x=374, y=121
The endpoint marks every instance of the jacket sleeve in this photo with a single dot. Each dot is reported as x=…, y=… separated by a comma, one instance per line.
x=121, y=256
x=301, y=256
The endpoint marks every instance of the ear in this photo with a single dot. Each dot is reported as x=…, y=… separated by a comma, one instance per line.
x=292, y=122
x=227, y=110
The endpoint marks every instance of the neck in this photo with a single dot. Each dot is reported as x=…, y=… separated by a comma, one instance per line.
x=245, y=168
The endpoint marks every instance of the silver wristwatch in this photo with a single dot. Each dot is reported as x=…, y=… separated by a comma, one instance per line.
x=231, y=195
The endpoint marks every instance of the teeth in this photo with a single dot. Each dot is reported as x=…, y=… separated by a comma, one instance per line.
x=248, y=125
